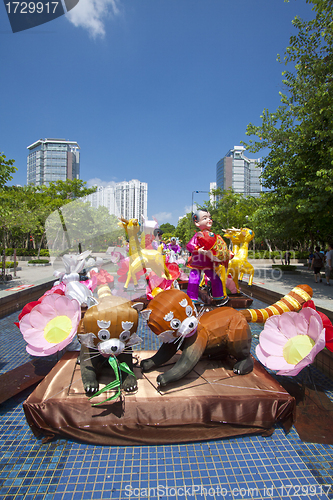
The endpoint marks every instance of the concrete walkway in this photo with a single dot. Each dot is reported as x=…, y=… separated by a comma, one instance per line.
x=265, y=276
x=26, y=277
x=284, y=282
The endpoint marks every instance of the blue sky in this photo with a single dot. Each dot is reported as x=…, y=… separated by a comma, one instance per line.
x=155, y=90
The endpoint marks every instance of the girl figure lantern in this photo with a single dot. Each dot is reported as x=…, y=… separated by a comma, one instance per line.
x=209, y=254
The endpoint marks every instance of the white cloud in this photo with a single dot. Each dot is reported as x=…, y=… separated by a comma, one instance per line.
x=91, y=15
x=98, y=182
x=188, y=209
x=163, y=217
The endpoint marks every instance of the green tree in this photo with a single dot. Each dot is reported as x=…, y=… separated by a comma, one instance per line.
x=68, y=189
x=299, y=134
x=58, y=194
x=7, y=168
x=24, y=210
x=230, y=209
x=278, y=225
x=185, y=229
x=167, y=228
x=77, y=225
x=11, y=214
x=106, y=230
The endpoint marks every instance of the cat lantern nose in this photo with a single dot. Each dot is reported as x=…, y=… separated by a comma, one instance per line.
x=112, y=347
x=188, y=327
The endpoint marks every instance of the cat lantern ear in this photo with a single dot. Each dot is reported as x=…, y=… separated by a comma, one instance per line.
x=167, y=337
x=91, y=301
x=146, y=313
x=138, y=306
x=87, y=339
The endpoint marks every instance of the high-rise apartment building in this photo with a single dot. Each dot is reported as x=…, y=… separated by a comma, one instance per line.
x=50, y=160
x=212, y=197
x=238, y=172
x=123, y=199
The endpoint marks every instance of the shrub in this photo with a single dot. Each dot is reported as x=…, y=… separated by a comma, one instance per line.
x=284, y=267
x=301, y=255
x=10, y=264
x=26, y=252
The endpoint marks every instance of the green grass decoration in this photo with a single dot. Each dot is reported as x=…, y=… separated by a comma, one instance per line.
x=115, y=384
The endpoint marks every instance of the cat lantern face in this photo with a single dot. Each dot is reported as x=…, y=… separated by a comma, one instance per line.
x=110, y=326
x=181, y=320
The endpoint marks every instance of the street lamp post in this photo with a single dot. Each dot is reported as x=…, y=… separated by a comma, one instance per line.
x=197, y=192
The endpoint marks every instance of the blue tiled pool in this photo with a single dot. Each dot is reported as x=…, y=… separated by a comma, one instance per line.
x=280, y=466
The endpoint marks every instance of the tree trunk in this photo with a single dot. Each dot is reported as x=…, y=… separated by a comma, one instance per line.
x=268, y=245
x=40, y=245
x=4, y=255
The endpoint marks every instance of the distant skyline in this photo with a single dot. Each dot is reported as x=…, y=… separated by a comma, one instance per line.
x=157, y=91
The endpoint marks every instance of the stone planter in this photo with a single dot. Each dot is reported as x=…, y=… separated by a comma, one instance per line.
x=39, y=265
x=284, y=270
x=23, y=258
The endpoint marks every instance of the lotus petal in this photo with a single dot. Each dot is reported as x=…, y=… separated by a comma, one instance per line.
x=320, y=344
x=261, y=354
x=302, y=323
x=27, y=332
x=272, y=347
x=40, y=316
x=296, y=337
x=34, y=351
x=315, y=327
x=64, y=305
x=278, y=363
x=272, y=333
x=287, y=324
x=49, y=299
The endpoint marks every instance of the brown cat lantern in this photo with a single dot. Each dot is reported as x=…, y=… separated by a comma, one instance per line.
x=220, y=332
x=108, y=328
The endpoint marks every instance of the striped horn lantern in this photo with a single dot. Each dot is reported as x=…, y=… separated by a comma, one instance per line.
x=293, y=301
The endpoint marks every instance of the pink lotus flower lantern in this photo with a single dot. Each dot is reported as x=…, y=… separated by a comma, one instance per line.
x=291, y=341
x=51, y=325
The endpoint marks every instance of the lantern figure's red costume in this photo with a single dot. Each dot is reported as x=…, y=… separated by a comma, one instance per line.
x=208, y=252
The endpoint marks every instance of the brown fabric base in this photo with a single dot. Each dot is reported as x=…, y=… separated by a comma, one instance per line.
x=210, y=403
x=22, y=377
x=239, y=301
x=314, y=413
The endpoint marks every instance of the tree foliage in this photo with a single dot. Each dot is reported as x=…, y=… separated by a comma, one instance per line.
x=299, y=134
x=24, y=210
x=185, y=229
x=231, y=209
x=67, y=190
x=167, y=228
x=78, y=225
x=7, y=168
